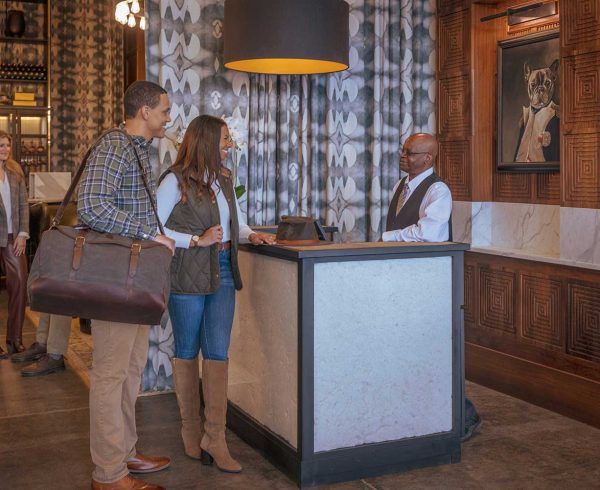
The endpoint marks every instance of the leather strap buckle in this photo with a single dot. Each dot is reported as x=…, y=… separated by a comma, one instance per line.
x=136, y=249
x=79, y=243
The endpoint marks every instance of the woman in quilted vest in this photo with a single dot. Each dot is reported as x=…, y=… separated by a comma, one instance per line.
x=14, y=232
x=199, y=209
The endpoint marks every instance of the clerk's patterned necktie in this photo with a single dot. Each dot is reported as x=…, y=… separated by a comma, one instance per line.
x=403, y=197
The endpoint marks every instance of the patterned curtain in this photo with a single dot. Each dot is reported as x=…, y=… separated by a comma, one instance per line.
x=86, y=77
x=320, y=145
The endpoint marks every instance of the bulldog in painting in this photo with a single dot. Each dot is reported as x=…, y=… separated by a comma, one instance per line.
x=539, y=126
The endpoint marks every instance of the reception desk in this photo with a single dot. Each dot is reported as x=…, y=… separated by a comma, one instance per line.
x=346, y=360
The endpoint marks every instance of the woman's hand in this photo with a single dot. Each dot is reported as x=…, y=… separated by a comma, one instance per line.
x=213, y=235
x=19, y=245
x=258, y=238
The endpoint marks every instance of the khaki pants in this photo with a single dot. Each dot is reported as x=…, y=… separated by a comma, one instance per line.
x=120, y=353
x=54, y=331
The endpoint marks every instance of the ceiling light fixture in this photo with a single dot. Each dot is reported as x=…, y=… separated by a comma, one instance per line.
x=286, y=37
x=127, y=11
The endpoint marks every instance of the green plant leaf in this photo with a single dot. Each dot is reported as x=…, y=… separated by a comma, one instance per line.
x=240, y=190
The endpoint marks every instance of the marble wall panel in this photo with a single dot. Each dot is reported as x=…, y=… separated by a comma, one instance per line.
x=263, y=355
x=481, y=224
x=461, y=221
x=580, y=234
x=531, y=228
x=383, y=350
x=526, y=227
x=472, y=222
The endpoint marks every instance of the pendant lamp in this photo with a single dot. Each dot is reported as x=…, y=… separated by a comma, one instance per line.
x=286, y=37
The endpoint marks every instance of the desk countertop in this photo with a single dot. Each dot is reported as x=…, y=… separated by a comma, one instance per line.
x=353, y=249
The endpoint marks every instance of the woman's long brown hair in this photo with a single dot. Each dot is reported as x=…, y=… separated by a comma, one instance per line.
x=199, y=156
x=11, y=165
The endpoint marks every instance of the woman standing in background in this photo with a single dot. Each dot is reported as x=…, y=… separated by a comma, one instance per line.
x=197, y=204
x=14, y=232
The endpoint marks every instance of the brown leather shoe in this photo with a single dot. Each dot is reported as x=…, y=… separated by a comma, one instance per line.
x=3, y=355
x=44, y=365
x=33, y=353
x=147, y=464
x=126, y=483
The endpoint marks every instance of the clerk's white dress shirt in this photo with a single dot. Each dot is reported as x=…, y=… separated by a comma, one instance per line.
x=167, y=197
x=434, y=214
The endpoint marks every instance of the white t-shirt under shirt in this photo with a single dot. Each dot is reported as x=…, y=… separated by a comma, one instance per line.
x=434, y=214
x=167, y=197
x=5, y=193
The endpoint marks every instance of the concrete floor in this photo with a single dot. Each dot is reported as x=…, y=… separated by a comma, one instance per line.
x=44, y=443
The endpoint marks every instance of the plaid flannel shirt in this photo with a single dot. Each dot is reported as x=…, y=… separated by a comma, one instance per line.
x=112, y=197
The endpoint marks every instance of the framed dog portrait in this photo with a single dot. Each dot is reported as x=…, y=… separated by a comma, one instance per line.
x=528, y=103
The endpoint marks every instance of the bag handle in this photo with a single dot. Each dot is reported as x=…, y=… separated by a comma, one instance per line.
x=61, y=209
x=143, y=175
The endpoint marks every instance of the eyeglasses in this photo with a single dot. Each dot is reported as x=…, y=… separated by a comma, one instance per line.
x=408, y=153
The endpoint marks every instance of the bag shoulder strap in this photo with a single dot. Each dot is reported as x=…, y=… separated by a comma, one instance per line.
x=81, y=168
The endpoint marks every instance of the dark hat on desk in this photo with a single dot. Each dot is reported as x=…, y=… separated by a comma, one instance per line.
x=299, y=230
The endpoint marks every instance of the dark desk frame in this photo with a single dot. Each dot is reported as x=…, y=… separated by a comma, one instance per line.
x=309, y=468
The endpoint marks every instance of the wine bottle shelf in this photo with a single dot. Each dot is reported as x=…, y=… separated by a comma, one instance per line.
x=23, y=72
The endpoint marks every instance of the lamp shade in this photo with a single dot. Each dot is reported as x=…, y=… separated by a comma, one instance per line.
x=286, y=37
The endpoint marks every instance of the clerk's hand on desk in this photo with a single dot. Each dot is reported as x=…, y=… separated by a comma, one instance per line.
x=258, y=238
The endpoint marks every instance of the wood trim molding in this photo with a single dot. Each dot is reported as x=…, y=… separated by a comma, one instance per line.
x=538, y=316
x=561, y=392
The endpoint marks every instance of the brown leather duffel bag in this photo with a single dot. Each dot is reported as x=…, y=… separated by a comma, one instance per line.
x=80, y=272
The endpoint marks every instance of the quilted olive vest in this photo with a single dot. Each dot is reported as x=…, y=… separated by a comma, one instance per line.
x=196, y=270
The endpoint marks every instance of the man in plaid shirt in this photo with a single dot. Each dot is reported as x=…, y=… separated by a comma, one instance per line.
x=112, y=199
x=112, y=194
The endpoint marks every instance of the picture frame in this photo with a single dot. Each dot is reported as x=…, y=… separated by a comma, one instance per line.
x=528, y=103
x=544, y=17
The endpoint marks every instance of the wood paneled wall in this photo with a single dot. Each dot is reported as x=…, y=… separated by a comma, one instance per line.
x=467, y=66
x=580, y=102
x=532, y=329
x=526, y=319
x=134, y=55
x=454, y=98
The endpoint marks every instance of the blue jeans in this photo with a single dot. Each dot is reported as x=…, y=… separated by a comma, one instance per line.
x=205, y=321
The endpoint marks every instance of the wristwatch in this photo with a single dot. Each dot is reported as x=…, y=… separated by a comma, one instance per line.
x=195, y=239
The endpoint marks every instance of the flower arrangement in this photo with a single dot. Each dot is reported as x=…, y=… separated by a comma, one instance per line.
x=238, y=134
x=176, y=138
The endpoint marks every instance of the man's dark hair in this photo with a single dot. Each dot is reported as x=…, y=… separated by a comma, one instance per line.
x=139, y=94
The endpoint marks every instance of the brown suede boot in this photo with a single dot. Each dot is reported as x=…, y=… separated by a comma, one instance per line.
x=187, y=388
x=214, y=387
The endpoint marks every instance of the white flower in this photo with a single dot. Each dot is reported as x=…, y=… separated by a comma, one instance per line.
x=237, y=131
x=180, y=135
x=176, y=138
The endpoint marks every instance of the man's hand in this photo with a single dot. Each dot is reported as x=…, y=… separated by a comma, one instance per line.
x=166, y=241
x=258, y=238
x=213, y=235
x=19, y=245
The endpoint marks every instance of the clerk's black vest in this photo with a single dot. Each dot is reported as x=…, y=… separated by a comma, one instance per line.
x=409, y=214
